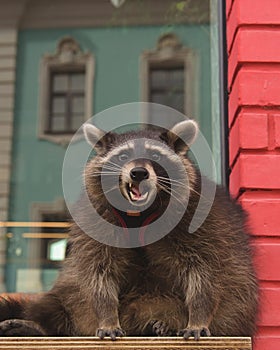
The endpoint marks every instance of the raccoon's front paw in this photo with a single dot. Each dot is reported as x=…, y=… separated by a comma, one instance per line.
x=110, y=332
x=20, y=328
x=160, y=328
x=195, y=332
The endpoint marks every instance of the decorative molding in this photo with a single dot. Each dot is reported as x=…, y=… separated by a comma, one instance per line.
x=169, y=52
x=31, y=14
x=128, y=343
x=68, y=55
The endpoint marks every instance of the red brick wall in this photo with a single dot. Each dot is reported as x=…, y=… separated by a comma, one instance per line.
x=253, y=40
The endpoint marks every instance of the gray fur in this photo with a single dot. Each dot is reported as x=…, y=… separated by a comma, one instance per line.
x=193, y=284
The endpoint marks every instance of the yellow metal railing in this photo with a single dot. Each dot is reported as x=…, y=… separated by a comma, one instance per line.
x=36, y=224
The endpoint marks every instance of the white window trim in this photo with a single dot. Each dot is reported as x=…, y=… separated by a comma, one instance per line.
x=168, y=53
x=68, y=55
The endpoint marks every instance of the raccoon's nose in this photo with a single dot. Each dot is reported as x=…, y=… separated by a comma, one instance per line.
x=139, y=174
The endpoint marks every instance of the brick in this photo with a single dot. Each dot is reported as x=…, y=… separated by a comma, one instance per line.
x=254, y=45
x=256, y=87
x=277, y=130
x=270, y=307
x=258, y=12
x=263, y=208
x=267, y=343
x=251, y=12
x=267, y=260
x=244, y=136
x=255, y=171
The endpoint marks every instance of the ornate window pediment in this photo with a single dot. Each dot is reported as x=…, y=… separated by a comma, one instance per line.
x=66, y=91
x=169, y=75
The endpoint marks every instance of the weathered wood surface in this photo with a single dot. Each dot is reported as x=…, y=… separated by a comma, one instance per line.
x=127, y=343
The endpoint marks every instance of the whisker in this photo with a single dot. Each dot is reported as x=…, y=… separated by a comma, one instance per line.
x=166, y=190
x=109, y=162
x=172, y=190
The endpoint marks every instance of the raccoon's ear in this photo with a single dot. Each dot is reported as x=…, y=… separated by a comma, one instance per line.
x=97, y=138
x=181, y=136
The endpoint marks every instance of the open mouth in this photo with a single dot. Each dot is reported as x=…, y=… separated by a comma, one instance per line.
x=135, y=193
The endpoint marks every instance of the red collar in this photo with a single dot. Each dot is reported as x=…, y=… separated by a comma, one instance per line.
x=141, y=235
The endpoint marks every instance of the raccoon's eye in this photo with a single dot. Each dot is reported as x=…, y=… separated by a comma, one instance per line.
x=123, y=157
x=156, y=156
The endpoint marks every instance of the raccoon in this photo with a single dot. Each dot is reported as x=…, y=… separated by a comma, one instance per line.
x=164, y=282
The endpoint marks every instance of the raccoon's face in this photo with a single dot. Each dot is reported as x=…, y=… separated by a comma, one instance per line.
x=140, y=165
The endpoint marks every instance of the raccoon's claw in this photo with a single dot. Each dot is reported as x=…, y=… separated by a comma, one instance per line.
x=112, y=333
x=194, y=332
x=17, y=328
x=160, y=328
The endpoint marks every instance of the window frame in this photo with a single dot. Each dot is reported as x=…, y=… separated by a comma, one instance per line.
x=170, y=53
x=68, y=95
x=68, y=58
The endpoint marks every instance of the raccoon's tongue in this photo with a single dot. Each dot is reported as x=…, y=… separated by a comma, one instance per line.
x=136, y=192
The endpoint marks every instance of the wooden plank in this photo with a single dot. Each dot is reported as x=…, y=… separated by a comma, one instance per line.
x=128, y=343
x=6, y=129
x=6, y=116
x=4, y=174
x=7, y=62
x=33, y=224
x=7, y=76
x=6, y=102
x=8, y=51
x=5, y=145
x=6, y=89
x=8, y=36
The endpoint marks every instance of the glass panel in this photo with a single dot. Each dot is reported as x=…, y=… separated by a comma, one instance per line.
x=78, y=105
x=159, y=98
x=176, y=100
x=131, y=64
x=57, y=250
x=176, y=77
x=58, y=123
x=58, y=105
x=158, y=79
x=78, y=82
x=167, y=87
x=60, y=82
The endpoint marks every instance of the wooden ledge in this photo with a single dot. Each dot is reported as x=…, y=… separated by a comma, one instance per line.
x=127, y=343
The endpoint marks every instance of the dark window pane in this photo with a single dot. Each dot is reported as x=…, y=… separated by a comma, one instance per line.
x=58, y=105
x=58, y=123
x=158, y=98
x=167, y=87
x=60, y=82
x=176, y=77
x=67, y=101
x=78, y=82
x=159, y=79
x=176, y=101
x=78, y=105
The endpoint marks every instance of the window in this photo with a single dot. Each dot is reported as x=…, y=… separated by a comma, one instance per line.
x=53, y=242
x=169, y=75
x=167, y=86
x=66, y=91
x=67, y=102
